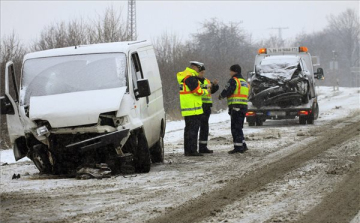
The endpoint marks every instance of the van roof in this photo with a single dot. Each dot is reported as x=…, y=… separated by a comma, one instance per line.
x=115, y=47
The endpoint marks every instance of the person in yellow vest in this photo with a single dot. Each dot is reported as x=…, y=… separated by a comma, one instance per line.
x=236, y=91
x=207, y=104
x=191, y=105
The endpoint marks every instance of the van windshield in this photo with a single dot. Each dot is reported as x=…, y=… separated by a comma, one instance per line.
x=66, y=74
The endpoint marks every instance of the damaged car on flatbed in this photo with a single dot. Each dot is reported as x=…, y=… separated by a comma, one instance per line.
x=86, y=105
x=282, y=86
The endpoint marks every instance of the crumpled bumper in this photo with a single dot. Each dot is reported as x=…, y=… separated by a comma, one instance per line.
x=110, y=139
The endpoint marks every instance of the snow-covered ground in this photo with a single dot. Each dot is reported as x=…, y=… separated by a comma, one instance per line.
x=181, y=179
x=332, y=104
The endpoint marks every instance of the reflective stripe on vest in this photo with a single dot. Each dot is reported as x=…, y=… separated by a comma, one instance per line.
x=190, y=101
x=206, y=98
x=240, y=94
x=190, y=109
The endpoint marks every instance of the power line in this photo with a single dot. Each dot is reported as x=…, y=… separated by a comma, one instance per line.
x=131, y=21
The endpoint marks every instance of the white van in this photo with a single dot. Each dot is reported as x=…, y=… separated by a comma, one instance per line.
x=86, y=105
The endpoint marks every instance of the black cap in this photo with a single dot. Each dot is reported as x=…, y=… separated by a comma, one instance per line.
x=236, y=68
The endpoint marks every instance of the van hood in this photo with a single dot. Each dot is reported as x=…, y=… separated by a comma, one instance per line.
x=77, y=108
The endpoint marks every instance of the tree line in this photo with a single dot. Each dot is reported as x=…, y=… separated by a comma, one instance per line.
x=217, y=44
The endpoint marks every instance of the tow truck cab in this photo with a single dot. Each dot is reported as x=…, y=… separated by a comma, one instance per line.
x=282, y=86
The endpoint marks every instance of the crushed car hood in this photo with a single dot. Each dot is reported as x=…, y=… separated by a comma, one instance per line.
x=77, y=108
x=280, y=68
x=279, y=81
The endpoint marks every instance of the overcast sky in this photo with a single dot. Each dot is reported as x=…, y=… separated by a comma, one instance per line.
x=27, y=18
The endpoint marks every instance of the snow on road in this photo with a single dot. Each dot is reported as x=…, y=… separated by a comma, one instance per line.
x=181, y=179
x=333, y=104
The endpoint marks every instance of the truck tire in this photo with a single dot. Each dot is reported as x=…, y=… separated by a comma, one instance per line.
x=310, y=120
x=316, y=111
x=251, y=121
x=142, y=154
x=157, y=152
x=41, y=159
x=302, y=120
x=259, y=122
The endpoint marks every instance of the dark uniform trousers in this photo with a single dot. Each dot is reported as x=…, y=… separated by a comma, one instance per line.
x=192, y=125
x=204, y=128
x=237, y=124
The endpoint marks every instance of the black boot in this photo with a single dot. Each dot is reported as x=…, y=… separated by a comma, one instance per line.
x=204, y=149
x=237, y=150
x=245, y=147
x=193, y=154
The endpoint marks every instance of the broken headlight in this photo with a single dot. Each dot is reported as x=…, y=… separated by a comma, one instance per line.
x=110, y=119
x=41, y=131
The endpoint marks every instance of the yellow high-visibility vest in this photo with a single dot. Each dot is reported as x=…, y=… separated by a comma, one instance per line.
x=241, y=93
x=190, y=101
x=206, y=98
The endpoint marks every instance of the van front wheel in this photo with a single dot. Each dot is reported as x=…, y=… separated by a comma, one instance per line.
x=157, y=152
x=142, y=154
x=41, y=159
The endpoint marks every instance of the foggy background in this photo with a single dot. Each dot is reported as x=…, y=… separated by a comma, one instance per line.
x=218, y=33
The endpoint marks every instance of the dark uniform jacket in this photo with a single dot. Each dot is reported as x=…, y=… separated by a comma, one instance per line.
x=230, y=89
x=214, y=88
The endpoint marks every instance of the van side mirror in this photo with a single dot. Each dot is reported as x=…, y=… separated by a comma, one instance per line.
x=319, y=74
x=6, y=106
x=143, y=88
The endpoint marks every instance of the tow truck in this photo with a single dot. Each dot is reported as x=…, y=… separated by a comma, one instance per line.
x=282, y=86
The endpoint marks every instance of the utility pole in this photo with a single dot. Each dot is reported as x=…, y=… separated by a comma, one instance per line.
x=131, y=21
x=334, y=66
x=280, y=34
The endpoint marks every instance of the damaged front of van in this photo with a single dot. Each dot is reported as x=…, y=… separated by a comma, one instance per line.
x=74, y=110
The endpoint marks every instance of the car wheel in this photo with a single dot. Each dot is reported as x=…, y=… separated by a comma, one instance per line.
x=157, y=152
x=142, y=154
x=41, y=159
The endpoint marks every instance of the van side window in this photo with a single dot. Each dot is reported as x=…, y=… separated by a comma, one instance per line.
x=137, y=73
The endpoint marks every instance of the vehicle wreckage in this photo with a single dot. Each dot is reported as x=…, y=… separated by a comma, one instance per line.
x=280, y=81
x=282, y=86
x=82, y=106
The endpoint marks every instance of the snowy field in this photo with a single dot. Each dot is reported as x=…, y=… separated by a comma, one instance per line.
x=180, y=181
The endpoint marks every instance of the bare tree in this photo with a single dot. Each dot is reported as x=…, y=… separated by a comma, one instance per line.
x=170, y=53
x=346, y=28
x=52, y=36
x=76, y=32
x=108, y=27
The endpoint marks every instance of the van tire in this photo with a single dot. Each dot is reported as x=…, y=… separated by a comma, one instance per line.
x=157, y=152
x=251, y=123
x=41, y=160
x=142, y=154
